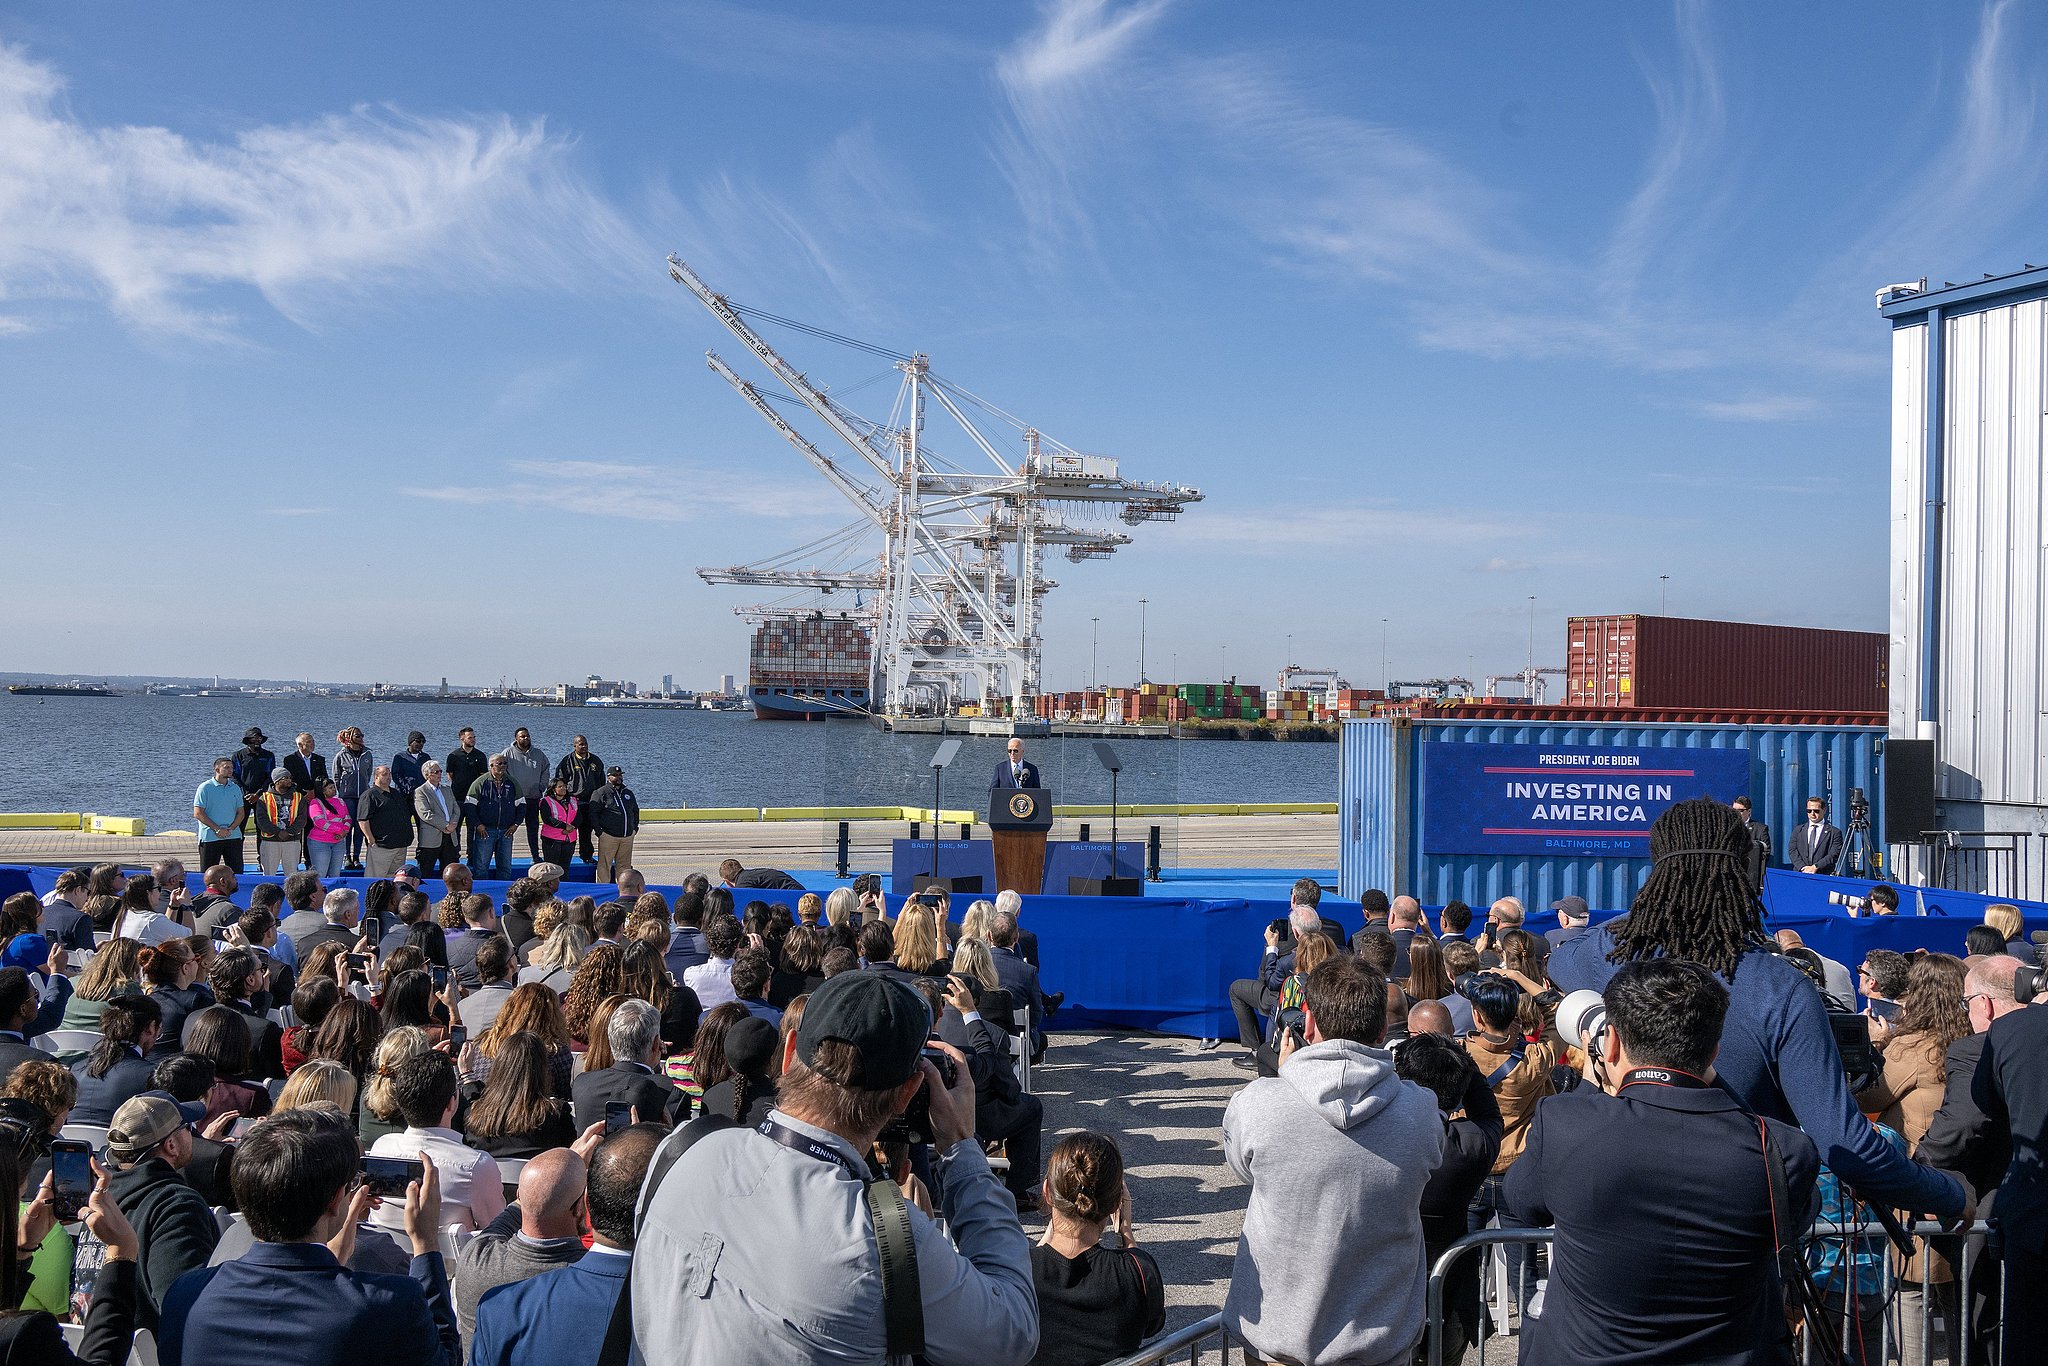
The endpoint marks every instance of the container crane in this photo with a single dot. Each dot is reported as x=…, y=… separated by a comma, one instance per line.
x=1531, y=680
x=1310, y=680
x=1429, y=687
x=957, y=582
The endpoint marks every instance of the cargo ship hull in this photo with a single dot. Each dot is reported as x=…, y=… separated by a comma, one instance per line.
x=810, y=669
x=60, y=690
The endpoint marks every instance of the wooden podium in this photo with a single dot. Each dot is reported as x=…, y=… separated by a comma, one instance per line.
x=1018, y=819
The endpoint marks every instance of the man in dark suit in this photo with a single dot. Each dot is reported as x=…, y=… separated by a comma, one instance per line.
x=732, y=874
x=1016, y=976
x=1003, y=1112
x=236, y=977
x=1815, y=846
x=18, y=1009
x=1961, y=1139
x=1674, y=1151
x=291, y=1297
x=559, y=1315
x=1759, y=843
x=1015, y=771
x=634, y=1033
x=2011, y=1087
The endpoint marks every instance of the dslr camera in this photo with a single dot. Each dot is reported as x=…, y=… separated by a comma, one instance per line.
x=914, y=1125
x=1855, y=904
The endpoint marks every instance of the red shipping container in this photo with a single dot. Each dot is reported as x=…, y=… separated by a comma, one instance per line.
x=1677, y=662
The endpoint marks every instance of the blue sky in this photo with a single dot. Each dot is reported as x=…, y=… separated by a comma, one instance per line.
x=338, y=342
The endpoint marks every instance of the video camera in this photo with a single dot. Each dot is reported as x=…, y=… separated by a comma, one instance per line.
x=2027, y=983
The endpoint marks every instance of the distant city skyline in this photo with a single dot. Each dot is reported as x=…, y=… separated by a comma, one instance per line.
x=340, y=343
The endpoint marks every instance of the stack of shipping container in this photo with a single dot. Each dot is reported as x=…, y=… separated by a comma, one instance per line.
x=1224, y=701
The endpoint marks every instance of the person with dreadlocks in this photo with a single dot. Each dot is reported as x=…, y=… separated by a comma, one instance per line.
x=1778, y=1055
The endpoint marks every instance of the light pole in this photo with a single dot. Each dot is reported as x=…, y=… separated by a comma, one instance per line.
x=1094, y=639
x=1290, y=649
x=1225, y=666
x=1141, y=640
x=1663, y=583
x=1386, y=666
x=1532, y=644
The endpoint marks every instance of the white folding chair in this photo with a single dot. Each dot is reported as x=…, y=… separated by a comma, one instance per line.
x=95, y=1134
x=274, y=1085
x=222, y=1217
x=143, y=1352
x=74, y=1042
x=100, y=937
x=508, y=1172
x=281, y=1017
x=1020, y=1054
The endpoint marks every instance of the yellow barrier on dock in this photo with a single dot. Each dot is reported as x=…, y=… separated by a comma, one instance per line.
x=40, y=820
x=700, y=813
x=115, y=825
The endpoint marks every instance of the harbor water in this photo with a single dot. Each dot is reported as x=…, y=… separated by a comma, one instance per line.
x=142, y=756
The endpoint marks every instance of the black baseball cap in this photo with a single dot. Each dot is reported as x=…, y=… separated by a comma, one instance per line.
x=884, y=1020
x=1573, y=906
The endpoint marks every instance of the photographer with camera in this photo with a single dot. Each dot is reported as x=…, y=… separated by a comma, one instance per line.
x=778, y=1245
x=1668, y=1255
x=1779, y=1056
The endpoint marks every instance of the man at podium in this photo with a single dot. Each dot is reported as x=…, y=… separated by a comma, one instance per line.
x=1015, y=771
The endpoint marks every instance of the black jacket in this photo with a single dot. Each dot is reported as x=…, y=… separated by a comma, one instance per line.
x=464, y=767
x=176, y=1230
x=584, y=776
x=615, y=811
x=627, y=1083
x=769, y=879
x=1961, y=1139
x=178, y=1006
x=556, y=1132
x=1622, y=1286
x=1471, y=1144
x=309, y=772
x=14, y=1052
x=34, y=1339
x=2011, y=1088
x=253, y=766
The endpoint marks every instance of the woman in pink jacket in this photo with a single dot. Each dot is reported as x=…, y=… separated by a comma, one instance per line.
x=327, y=830
x=558, y=824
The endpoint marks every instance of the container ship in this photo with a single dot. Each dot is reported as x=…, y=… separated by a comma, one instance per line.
x=810, y=669
x=60, y=689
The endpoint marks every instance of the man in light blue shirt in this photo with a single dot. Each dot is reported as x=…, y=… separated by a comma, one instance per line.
x=219, y=806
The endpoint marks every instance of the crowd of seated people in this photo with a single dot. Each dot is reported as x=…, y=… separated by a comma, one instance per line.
x=526, y=1058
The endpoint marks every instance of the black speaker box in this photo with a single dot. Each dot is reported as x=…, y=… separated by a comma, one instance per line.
x=1105, y=886
x=949, y=885
x=1908, y=790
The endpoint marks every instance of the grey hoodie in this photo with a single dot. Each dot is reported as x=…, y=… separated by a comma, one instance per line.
x=1330, y=1267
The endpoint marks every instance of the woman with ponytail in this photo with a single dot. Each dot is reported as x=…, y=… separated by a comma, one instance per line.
x=1778, y=1054
x=1097, y=1300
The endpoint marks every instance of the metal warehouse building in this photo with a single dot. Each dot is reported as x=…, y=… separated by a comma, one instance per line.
x=1969, y=552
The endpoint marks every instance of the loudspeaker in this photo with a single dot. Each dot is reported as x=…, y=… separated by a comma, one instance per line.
x=949, y=885
x=1105, y=886
x=1908, y=790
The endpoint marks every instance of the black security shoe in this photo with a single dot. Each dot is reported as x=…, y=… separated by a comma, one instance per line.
x=1247, y=1062
x=1054, y=1000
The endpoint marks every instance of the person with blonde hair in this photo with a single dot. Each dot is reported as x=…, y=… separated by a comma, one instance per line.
x=380, y=1114
x=555, y=960
x=917, y=948
x=975, y=925
x=2005, y=917
x=321, y=1079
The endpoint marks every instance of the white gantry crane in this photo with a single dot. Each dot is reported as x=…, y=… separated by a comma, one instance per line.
x=1533, y=686
x=953, y=595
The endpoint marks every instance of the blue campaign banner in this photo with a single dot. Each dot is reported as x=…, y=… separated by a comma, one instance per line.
x=1566, y=800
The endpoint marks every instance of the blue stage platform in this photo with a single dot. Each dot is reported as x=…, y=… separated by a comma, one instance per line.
x=1165, y=961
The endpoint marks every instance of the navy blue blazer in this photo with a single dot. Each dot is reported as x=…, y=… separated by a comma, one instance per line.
x=559, y=1315
x=1020, y=979
x=1666, y=1254
x=63, y=923
x=1003, y=778
x=293, y=1303
x=99, y=1097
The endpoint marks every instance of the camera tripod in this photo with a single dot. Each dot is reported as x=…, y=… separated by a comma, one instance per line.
x=1858, y=858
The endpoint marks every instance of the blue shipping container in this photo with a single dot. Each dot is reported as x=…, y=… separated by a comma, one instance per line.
x=1380, y=812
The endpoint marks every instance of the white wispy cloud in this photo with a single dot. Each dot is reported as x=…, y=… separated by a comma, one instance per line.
x=1762, y=408
x=155, y=225
x=639, y=492
x=1362, y=526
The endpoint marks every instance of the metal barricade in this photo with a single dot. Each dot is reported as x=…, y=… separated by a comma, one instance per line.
x=1880, y=1314
x=1194, y=1341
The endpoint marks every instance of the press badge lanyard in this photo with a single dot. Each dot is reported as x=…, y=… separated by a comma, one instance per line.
x=811, y=1147
x=1661, y=1076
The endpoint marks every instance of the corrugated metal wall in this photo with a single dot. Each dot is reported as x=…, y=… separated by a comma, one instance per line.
x=1991, y=555
x=1381, y=802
